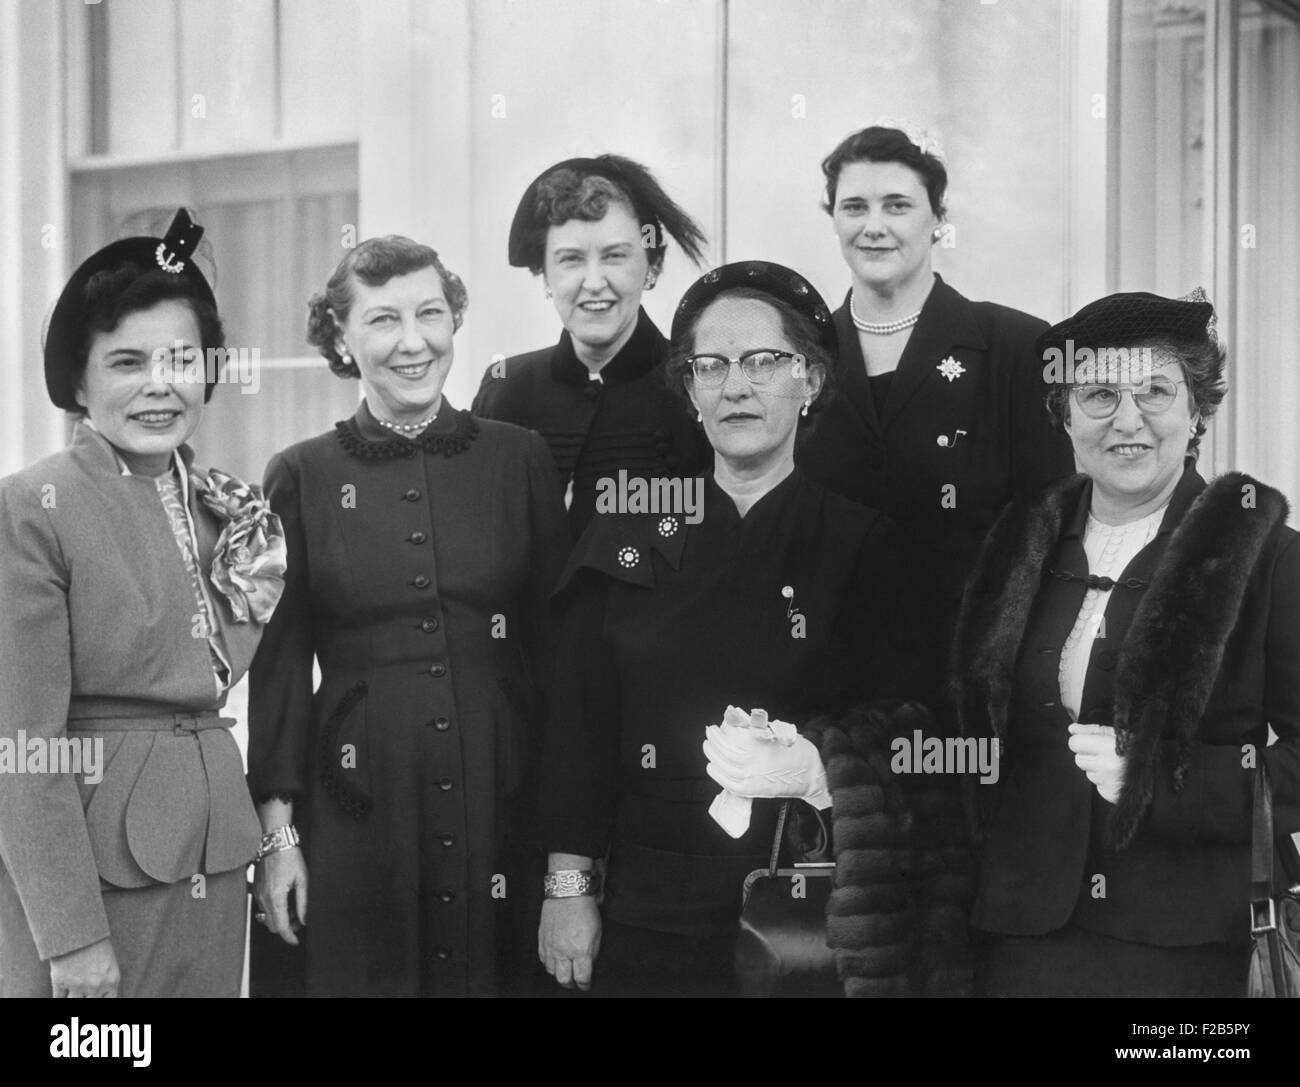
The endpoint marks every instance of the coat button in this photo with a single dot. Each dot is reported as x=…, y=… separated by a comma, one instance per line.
x=417, y=537
x=438, y=670
x=443, y=953
x=429, y=625
x=447, y=895
x=442, y=724
x=447, y=840
x=445, y=784
x=420, y=581
x=592, y=390
x=410, y=453
x=412, y=495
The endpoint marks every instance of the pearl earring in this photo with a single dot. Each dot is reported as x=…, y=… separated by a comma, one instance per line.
x=804, y=409
x=547, y=291
x=345, y=356
x=650, y=280
x=699, y=416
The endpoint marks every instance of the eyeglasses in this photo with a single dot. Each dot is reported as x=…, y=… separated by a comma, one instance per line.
x=759, y=366
x=1151, y=398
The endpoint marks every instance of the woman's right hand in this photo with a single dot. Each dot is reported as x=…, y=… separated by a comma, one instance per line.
x=568, y=939
x=88, y=971
x=273, y=878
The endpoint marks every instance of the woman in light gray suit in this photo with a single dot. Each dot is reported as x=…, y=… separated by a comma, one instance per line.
x=134, y=590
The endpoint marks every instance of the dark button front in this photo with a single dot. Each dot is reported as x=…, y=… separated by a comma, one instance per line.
x=417, y=537
x=592, y=390
x=447, y=895
x=441, y=724
x=443, y=953
x=438, y=670
x=446, y=785
x=411, y=496
x=1106, y=659
x=429, y=625
x=410, y=453
x=420, y=582
x=448, y=840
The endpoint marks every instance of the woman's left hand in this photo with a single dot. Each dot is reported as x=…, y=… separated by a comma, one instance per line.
x=749, y=763
x=1095, y=754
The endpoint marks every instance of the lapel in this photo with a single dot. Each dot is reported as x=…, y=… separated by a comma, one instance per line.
x=947, y=321
x=851, y=369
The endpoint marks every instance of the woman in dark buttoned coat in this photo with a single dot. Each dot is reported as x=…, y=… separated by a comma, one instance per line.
x=771, y=593
x=423, y=545
x=133, y=591
x=1130, y=635
x=596, y=231
x=939, y=421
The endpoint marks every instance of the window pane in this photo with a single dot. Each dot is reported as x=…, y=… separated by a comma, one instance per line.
x=1264, y=378
x=1161, y=126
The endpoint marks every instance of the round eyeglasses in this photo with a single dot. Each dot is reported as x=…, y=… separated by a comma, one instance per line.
x=759, y=366
x=1151, y=398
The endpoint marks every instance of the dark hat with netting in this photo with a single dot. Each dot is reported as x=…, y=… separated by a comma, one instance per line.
x=172, y=255
x=758, y=275
x=649, y=201
x=1123, y=320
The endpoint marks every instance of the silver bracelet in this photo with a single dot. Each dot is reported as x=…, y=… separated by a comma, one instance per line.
x=570, y=883
x=277, y=841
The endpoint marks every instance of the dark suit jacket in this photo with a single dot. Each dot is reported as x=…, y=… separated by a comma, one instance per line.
x=1183, y=878
x=628, y=420
x=892, y=459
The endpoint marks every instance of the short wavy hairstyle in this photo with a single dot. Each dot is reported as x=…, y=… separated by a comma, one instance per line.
x=1203, y=362
x=880, y=144
x=799, y=329
x=374, y=262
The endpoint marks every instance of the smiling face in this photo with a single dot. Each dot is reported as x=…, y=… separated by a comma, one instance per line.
x=884, y=223
x=752, y=427
x=596, y=272
x=1135, y=459
x=126, y=396
x=399, y=333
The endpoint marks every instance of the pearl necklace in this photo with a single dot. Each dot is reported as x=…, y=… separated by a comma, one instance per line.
x=405, y=428
x=884, y=328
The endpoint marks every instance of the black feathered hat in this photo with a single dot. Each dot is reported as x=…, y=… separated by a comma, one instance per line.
x=760, y=275
x=649, y=201
x=173, y=253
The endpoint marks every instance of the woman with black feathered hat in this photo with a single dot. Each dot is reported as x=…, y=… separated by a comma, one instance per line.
x=1129, y=636
x=595, y=230
x=135, y=589
x=775, y=597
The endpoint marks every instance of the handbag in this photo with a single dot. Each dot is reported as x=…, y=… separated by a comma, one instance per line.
x=781, y=947
x=1274, y=919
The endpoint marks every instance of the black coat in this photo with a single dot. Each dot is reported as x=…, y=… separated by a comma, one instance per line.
x=1193, y=668
x=892, y=460
x=629, y=419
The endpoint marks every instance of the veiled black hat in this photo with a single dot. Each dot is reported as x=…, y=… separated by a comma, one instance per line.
x=1122, y=320
x=172, y=254
x=649, y=201
x=760, y=275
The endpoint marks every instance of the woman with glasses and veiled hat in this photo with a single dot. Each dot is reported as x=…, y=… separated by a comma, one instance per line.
x=595, y=230
x=765, y=592
x=940, y=419
x=135, y=589
x=1130, y=635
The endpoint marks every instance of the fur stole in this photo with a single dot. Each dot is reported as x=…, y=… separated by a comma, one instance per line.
x=1170, y=657
x=896, y=919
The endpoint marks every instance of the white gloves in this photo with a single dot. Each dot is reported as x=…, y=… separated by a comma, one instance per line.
x=750, y=757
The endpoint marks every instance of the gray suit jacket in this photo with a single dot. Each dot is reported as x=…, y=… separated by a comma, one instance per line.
x=98, y=619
